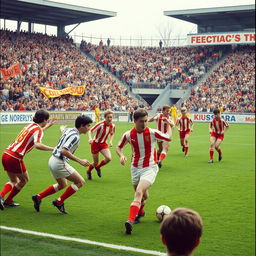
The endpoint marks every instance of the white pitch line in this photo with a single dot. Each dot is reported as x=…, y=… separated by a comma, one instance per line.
x=84, y=241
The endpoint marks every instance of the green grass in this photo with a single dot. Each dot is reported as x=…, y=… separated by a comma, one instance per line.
x=223, y=193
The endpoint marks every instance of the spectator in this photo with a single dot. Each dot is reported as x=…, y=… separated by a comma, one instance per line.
x=160, y=44
x=108, y=42
x=181, y=232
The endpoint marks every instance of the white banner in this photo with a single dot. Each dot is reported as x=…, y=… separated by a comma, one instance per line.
x=222, y=38
x=23, y=117
x=230, y=118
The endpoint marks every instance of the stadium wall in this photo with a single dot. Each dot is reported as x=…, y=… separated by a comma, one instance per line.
x=22, y=117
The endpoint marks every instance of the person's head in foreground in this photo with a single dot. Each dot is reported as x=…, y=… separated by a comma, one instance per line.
x=181, y=232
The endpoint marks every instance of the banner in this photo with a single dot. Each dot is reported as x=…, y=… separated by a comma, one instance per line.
x=230, y=118
x=222, y=38
x=24, y=117
x=12, y=71
x=50, y=93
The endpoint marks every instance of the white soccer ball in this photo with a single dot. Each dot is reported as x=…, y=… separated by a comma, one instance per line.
x=162, y=211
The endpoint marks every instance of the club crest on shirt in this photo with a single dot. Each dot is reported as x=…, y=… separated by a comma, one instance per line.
x=147, y=138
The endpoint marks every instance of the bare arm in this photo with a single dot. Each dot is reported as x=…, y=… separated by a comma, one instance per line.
x=153, y=118
x=210, y=128
x=65, y=152
x=225, y=129
x=49, y=124
x=41, y=146
x=121, y=155
x=90, y=136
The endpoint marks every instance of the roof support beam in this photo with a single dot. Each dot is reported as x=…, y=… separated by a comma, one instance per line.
x=73, y=28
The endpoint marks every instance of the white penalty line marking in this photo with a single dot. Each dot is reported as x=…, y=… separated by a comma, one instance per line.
x=84, y=241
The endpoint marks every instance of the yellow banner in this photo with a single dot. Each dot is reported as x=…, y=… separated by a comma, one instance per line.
x=50, y=93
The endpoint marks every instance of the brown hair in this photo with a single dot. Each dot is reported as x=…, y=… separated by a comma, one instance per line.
x=139, y=113
x=166, y=107
x=181, y=231
x=107, y=113
x=41, y=116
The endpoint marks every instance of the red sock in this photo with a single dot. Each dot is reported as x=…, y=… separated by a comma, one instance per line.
x=162, y=156
x=15, y=190
x=69, y=192
x=49, y=191
x=186, y=150
x=141, y=211
x=90, y=168
x=102, y=163
x=219, y=151
x=7, y=188
x=211, y=154
x=134, y=209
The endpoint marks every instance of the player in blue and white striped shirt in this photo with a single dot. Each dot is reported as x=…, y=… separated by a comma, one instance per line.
x=61, y=170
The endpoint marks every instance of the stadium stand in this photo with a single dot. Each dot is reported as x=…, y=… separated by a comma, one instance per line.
x=153, y=67
x=229, y=86
x=55, y=63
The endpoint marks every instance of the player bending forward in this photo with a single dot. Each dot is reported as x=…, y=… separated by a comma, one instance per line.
x=217, y=127
x=99, y=145
x=144, y=166
x=59, y=167
x=165, y=125
x=30, y=137
x=185, y=127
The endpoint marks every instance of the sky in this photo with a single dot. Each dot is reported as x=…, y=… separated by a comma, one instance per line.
x=136, y=19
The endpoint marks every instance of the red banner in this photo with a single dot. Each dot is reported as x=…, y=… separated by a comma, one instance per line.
x=12, y=71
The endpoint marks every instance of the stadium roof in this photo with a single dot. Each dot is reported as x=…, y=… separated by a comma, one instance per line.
x=49, y=13
x=233, y=17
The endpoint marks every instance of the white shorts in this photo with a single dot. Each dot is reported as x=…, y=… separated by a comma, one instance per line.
x=148, y=174
x=60, y=168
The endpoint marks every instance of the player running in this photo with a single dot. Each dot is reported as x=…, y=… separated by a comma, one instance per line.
x=59, y=167
x=185, y=124
x=99, y=145
x=173, y=111
x=217, y=127
x=97, y=113
x=144, y=166
x=12, y=159
x=165, y=125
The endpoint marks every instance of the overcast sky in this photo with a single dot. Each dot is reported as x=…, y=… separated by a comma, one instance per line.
x=140, y=18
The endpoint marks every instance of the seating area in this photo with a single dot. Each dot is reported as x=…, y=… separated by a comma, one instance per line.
x=55, y=63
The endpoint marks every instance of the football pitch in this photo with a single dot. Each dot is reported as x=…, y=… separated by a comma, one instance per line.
x=223, y=193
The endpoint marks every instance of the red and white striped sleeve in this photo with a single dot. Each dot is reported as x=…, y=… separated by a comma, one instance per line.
x=124, y=140
x=38, y=135
x=161, y=136
x=96, y=127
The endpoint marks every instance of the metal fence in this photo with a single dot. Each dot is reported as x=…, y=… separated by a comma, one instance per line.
x=131, y=41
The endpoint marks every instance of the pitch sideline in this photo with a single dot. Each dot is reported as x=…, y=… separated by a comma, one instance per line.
x=84, y=241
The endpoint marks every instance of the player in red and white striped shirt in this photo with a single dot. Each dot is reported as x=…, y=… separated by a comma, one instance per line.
x=30, y=137
x=217, y=127
x=185, y=124
x=165, y=125
x=98, y=144
x=144, y=166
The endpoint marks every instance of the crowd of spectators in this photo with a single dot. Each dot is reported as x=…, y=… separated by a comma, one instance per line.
x=48, y=61
x=155, y=67
x=231, y=86
x=55, y=63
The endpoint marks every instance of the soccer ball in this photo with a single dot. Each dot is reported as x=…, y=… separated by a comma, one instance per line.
x=162, y=211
